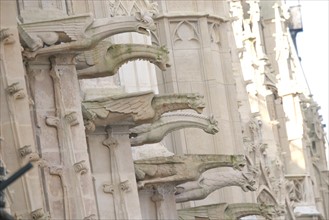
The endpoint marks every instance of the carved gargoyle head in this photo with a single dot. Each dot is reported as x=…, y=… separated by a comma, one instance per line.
x=271, y=211
x=162, y=58
x=248, y=183
x=146, y=22
x=196, y=102
x=213, y=126
x=238, y=162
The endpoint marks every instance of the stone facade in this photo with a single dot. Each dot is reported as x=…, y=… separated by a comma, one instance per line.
x=108, y=99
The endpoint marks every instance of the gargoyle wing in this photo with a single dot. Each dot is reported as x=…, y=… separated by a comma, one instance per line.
x=161, y=160
x=94, y=56
x=73, y=27
x=137, y=104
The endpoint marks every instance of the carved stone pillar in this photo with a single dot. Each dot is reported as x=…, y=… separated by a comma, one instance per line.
x=158, y=202
x=61, y=137
x=114, y=175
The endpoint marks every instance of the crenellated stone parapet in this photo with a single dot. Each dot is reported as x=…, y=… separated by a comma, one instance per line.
x=137, y=108
x=107, y=58
x=180, y=169
x=155, y=132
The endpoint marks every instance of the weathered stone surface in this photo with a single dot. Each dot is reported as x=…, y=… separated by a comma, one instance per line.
x=210, y=181
x=180, y=169
x=106, y=61
x=137, y=108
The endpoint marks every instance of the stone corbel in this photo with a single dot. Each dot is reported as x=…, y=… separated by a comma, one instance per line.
x=25, y=150
x=39, y=214
x=15, y=91
x=6, y=37
x=80, y=167
x=108, y=188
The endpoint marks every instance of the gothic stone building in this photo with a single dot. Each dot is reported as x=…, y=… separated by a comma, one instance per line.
x=142, y=109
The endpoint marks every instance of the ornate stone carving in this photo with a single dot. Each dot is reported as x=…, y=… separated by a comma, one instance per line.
x=232, y=211
x=180, y=169
x=125, y=186
x=81, y=167
x=81, y=32
x=39, y=214
x=6, y=37
x=155, y=132
x=295, y=189
x=106, y=61
x=108, y=188
x=15, y=91
x=211, y=181
x=125, y=8
x=25, y=150
x=137, y=108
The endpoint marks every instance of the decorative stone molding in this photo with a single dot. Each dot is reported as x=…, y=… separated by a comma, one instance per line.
x=39, y=214
x=15, y=91
x=125, y=186
x=107, y=58
x=138, y=108
x=155, y=132
x=181, y=169
x=108, y=188
x=80, y=167
x=6, y=37
x=126, y=8
x=25, y=150
x=232, y=211
x=210, y=181
x=56, y=170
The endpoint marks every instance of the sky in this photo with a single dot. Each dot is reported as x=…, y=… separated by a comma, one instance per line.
x=313, y=49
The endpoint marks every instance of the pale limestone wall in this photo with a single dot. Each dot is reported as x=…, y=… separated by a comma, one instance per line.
x=17, y=142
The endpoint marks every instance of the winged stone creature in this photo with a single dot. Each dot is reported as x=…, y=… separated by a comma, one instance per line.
x=137, y=108
x=80, y=32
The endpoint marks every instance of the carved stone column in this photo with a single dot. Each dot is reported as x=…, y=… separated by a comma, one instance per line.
x=61, y=137
x=158, y=202
x=114, y=175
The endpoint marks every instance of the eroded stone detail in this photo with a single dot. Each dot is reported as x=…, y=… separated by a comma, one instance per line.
x=180, y=169
x=155, y=132
x=16, y=91
x=39, y=214
x=138, y=108
x=81, y=167
x=25, y=150
x=232, y=211
x=108, y=188
x=210, y=181
x=106, y=62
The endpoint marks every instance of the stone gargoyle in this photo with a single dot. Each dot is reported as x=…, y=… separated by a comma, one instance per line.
x=78, y=33
x=180, y=169
x=106, y=58
x=210, y=181
x=137, y=108
x=155, y=132
x=235, y=211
